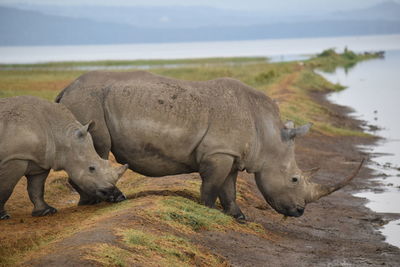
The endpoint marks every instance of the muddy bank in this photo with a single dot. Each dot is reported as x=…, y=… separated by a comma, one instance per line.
x=336, y=231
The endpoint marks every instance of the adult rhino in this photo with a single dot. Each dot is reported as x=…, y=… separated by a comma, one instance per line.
x=163, y=126
x=38, y=135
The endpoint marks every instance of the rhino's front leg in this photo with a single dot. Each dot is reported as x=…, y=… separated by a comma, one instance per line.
x=227, y=196
x=214, y=170
x=85, y=199
x=36, y=194
x=10, y=173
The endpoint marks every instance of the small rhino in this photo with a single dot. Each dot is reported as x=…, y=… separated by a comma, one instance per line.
x=36, y=136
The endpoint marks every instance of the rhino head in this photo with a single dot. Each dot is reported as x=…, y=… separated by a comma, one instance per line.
x=284, y=186
x=88, y=172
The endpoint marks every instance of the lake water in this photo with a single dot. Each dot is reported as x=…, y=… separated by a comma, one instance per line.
x=279, y=49
x=374, y=93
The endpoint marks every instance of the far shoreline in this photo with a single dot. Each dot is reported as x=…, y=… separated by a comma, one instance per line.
x=195, y=50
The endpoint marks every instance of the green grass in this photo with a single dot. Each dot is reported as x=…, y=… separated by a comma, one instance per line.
x=46, y=94
x=156, y=62
x=185, y=212
x=108, y=255
x=311, y=81
x=329, y=59
x=167, y=249
x=40, y=83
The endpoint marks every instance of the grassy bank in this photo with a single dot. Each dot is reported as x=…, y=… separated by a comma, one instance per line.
x=289, y=82
x=140, y=63
x=163, y=228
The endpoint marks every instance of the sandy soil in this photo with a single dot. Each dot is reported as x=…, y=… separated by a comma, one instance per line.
x=336, y=231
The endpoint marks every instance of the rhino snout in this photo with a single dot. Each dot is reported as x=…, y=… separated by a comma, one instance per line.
x=293, y=212
x=112, y=194
x=299, y=211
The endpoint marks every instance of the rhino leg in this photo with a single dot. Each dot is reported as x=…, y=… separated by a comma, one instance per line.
x=10, y=173
x=101, y=139
x=227, y=196
x=36, y=194
x=213, y=171
x=85, y=199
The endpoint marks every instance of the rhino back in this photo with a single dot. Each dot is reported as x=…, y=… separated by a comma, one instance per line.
x=165, y=126
x=25, y=126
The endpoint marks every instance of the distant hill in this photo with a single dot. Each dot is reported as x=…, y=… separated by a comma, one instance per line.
x=23, y=27
x=382, y=11
x=155, y=17
x=202, y=16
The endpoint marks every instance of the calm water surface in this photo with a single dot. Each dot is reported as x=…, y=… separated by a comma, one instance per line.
x=374, y=93
x=277, y=49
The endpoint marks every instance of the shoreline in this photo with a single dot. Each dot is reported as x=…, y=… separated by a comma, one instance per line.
x=371, y=181
x=383, y=154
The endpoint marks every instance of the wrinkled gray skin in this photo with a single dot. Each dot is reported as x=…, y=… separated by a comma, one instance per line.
x=36, y=136
x=162, y=126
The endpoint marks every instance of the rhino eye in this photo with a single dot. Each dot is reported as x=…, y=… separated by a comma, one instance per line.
x=92, y=169
x=295, y=179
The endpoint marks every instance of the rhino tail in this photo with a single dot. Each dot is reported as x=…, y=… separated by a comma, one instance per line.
x=60, y=95
x=70, y=87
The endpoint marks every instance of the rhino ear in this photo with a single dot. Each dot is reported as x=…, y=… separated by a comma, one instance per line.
x=311, y=172
x=289, y=132
x=83, y=131
x=289, y=125
x=91, y=125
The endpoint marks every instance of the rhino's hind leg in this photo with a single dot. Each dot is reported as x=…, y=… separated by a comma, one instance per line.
x=4, y=215
x=214, y=170
x=84, y=199
x=36, y=194
x=227, y=196
x=101, y=139
x=10, y=173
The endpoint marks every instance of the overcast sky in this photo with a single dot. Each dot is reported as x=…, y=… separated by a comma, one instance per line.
x=284, y=6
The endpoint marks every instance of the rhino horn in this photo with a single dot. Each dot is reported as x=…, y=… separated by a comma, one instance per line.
x=120, y=171
x=317, y=191
x=310, y=173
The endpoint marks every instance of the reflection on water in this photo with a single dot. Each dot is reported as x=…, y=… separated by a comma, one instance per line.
x=374, y=93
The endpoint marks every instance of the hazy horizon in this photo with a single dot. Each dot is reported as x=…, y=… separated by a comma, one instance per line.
x=289, y=6
x=45, y=22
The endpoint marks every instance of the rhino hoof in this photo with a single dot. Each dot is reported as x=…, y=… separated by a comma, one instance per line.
x=240, y=218
x=4, y=216
x=120, y=198
x=49, y=210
